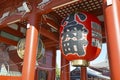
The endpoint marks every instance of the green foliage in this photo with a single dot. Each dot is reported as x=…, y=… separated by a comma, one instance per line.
x=57, y=73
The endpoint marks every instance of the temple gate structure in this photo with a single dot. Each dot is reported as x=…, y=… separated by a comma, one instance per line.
x=41, y=19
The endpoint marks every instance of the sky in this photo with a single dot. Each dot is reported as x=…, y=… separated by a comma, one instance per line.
x=100, y=58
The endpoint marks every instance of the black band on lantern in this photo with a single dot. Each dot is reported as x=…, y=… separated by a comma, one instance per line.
x=73, y=40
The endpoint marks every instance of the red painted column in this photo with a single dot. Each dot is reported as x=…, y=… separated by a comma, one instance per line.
x=28, y=71
x=112, y=24
x=83, y=73
x=49, y=77
x=65, y=69
x=51, y=63
x=49, y=54
x=54, y=64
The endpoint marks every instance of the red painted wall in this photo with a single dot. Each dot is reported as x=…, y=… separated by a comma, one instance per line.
x=14, y=61
x=50, y=64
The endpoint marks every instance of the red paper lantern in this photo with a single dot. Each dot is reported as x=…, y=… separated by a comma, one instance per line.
x=80, y=37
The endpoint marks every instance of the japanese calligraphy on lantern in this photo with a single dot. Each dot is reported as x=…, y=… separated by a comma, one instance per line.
x=74, y=34
x=80, y=36
x=96, y=35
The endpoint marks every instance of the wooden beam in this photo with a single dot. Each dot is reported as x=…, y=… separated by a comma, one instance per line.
x=10, y=77
x=103, y=29
x=49, y=43
x=52, y=24
x=8, y=5
x=103, y=33
x=49, y=35
x=8, y=41
x=12, y=31
x=48, y=8
x=103, y=40
x=21, y=25
x=12, y=19
x=97, y=12
x=44, y=32
x=54, y=4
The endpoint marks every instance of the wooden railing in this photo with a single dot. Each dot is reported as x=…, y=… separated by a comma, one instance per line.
x=10, y=78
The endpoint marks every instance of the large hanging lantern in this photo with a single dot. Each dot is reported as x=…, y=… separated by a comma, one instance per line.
x=80, y=38
x=21, y=49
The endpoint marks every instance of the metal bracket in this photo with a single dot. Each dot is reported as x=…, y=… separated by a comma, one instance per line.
x=28, y=26
x=109, y=2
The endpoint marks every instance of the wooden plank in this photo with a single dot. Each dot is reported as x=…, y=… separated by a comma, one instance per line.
x=8, y=41
x=12, y=31
x=10, y=78
x=50, y=43
x=12, y=19
x=54, y=4
x=44, y=32
x=52, y=24
x=49, y=35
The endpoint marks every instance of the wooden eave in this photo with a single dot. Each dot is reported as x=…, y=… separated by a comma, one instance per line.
x=54, y=9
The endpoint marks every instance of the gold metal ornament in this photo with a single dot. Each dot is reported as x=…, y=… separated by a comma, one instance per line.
x=79, y=63
x=21, y=49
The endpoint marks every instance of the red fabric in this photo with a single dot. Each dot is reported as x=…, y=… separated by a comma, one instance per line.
x=91, y=52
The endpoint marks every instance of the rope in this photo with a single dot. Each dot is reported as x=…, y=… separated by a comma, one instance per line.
x=48, y=68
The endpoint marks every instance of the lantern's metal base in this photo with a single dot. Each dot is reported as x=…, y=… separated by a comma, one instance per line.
x=78, y=63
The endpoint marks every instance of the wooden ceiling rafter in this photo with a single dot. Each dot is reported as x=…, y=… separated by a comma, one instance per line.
x=12, y=19
x=50, y=43
x=53, y=5
x=12, y=31
x=47, y=43
x=8, y=41
x=22, y=24
x=51, y=24
x=103, y=32
x=46, y=33
x=18, y=16
x=55, y=17
x=49, y=8
x=103, y=29
x=10, y=6
x=91, y=6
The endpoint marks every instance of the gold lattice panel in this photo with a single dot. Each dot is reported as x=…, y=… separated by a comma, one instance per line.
x=93, y=6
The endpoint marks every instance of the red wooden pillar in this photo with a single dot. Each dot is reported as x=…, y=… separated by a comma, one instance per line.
x=54, y=64
x=28, y=71
x=65, y=69
x=51, y=61
x=112, y=24
x=49, y=77
x=83, y=73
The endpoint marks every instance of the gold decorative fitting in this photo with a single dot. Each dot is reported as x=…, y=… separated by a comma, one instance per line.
x=21, y=49
x=78, y=63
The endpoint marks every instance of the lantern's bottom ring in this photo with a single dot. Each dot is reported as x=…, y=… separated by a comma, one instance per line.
x=78, y=63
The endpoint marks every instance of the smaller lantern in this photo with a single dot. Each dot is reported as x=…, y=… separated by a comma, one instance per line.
x=80, y=38
x=21, y=49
